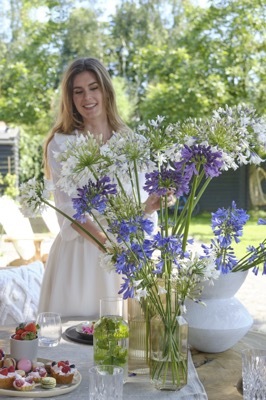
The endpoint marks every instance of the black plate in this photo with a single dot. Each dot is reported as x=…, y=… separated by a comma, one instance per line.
x=72, y=334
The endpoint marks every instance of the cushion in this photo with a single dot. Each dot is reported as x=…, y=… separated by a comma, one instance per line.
x=19, y=292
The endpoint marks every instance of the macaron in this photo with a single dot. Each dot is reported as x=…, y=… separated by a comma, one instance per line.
x=20, y=372
x=48, y=382
x=24, y=364
x=9, y=362
x=37, y=364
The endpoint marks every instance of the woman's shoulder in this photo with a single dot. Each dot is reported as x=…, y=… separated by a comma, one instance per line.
x=60, y=139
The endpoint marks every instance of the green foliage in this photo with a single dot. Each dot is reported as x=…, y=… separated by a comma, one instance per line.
x=31, y=144
x=124, y=103
x=8, y=185
x=170, y=57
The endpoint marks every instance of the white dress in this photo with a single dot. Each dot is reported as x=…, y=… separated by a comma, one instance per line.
x=74, y=282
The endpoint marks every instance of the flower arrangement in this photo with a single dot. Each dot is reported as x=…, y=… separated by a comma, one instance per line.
x=108, y=182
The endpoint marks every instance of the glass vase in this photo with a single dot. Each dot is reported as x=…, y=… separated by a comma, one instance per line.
x=110, y=338
x=168, y=352
x=138, y=323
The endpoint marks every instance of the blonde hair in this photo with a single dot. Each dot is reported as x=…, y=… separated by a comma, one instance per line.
x=68, y=118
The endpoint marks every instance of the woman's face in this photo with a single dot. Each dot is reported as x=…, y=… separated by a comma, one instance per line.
x=88, y=97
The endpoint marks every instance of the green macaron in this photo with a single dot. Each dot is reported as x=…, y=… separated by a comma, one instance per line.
x=48, y=382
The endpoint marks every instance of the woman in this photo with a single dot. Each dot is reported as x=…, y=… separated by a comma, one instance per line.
x=74, y=282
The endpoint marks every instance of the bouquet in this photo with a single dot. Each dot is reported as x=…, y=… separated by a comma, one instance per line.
x=109, y=181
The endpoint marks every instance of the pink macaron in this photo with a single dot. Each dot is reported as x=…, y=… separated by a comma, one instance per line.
x=24, y=364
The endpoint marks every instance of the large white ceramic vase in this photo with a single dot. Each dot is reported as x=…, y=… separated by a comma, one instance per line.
x=224, y=320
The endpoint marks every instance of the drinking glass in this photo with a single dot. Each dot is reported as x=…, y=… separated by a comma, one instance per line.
x=106, y=382
x=50, y=329
x=254, y=373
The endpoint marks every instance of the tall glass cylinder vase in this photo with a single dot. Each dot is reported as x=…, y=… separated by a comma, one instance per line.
x=168, y=353
x=138, y=323
x=110, y=338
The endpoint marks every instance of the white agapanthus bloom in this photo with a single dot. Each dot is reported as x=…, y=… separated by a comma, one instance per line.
x=32, y=196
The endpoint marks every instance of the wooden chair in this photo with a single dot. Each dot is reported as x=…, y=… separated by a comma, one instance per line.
x=19, y=232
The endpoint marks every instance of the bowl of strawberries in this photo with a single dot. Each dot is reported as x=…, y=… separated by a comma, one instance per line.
x=24, y=342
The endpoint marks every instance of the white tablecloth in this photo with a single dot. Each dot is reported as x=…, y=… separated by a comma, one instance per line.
x=137, y=387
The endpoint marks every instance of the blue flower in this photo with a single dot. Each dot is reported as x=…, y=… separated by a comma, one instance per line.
x=227, y=224
x=125, y=228
x=174, y=179
x=127, y=289
x=210, y=160
x=93, y=196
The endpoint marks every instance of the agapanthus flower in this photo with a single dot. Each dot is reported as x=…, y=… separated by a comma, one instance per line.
x=203, y=156
x=170, y=249
x=125, y=228
x=80, y=162
x=168, y=179
x=227, y=224
x=223, y=256
x=33, y=195
x=93, y=196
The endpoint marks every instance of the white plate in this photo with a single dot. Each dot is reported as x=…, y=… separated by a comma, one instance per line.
x=38, y=391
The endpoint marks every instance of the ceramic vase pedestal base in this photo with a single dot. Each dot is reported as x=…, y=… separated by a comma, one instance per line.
x=223, y=321
x=218, y=326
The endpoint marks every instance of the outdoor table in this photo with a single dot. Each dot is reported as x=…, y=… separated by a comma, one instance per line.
x=219, y=373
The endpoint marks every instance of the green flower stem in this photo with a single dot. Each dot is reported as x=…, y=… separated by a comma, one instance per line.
x=137, y=181
x=76, y=223
x=246, y=262
x=189, y=212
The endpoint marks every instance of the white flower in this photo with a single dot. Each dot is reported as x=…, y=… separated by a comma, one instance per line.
x=32, y=197
x=105, y=262
x=141, y=293
x=161, y=290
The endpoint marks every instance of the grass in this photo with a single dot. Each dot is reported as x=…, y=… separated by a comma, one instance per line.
x=253, y=234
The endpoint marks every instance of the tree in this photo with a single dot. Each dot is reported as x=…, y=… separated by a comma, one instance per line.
x=217, y=58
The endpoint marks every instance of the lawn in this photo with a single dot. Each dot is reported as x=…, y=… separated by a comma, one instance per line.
x=253, y=234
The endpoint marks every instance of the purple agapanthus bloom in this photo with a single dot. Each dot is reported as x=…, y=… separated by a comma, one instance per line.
x=93, y=196
x=262, y=221
x=123, y=229
x=174, y=179
x=127, y=289
x=225, y=258
x=170, y=250
x=198, y=154
x=227, y=224
x=254, y=254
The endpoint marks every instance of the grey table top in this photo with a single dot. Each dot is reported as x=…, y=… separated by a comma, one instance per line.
x=137, y=387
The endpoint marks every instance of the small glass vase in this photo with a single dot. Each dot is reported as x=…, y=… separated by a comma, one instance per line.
x=138, y=323
x=168, y=352
x=110, y=338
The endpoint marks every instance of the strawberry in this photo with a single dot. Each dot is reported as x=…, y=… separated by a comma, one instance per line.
x=27, y=335
x=11, y=368
x=66, y=369
x=30, y=327
x=17, y=337
x=19, y=331
x=21, y=326
x=4, y=371
x=61, y=364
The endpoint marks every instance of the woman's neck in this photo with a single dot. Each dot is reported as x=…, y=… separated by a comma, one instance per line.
x=98, y=129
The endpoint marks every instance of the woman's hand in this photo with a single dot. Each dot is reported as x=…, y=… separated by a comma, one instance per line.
x=153, y=202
